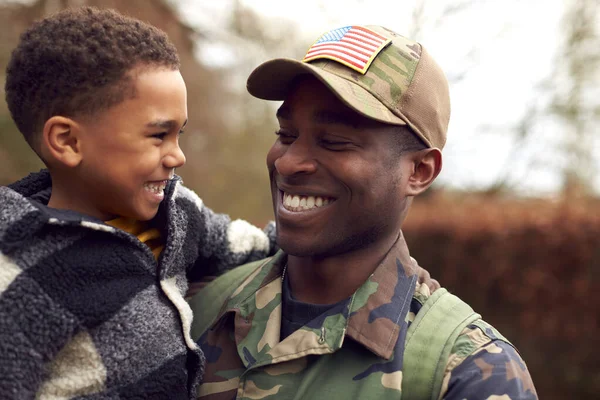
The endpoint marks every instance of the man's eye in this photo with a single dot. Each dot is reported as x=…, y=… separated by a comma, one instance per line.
x=160, y=135
x=335, y=144
x=285, y=137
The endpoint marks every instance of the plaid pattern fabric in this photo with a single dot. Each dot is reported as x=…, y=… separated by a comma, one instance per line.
x=86, y=311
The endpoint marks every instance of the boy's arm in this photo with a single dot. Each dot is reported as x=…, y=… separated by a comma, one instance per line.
x=222, y=243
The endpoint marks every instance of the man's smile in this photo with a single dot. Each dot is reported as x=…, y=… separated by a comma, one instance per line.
x=299, y=202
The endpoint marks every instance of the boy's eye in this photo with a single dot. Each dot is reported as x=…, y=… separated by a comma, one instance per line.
x=160, y=135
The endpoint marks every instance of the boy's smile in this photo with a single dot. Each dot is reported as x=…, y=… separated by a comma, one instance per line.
x=156, y=189
x=130, y=151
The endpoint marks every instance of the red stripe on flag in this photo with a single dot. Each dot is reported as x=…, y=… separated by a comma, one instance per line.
x=354, y=48
x=370, y=32
x=341, y=50
x=346, y=59
x=368, y=47
x=338, y=55
x=370, y=41
x=365, y=35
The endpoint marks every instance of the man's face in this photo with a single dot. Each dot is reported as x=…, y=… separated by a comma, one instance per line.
x=130, y=150
x=336, y=179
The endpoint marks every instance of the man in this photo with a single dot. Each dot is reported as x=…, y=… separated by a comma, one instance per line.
x=339, y=313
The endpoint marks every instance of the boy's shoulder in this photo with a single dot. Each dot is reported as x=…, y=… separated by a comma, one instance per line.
x=15, y=201
x=23, y=210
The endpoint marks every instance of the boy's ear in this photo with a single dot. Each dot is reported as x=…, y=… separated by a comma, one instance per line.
x=61, y=141
x=427, y=165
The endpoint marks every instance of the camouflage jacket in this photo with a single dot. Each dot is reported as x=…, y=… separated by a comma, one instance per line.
x=353, y=351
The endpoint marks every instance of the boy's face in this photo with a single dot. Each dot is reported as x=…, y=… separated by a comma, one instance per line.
x=130, y=150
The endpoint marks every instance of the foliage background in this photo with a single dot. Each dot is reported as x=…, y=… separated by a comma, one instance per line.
x=530, y=265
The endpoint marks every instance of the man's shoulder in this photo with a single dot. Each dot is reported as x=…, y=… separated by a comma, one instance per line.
x=443, y=307
x=211, y=299
x=485, y=363
x=480, y=359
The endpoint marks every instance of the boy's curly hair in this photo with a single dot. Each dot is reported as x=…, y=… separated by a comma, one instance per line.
x=76, y=62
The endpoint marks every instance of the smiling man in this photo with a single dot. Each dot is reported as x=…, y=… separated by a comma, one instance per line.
x=340, y=312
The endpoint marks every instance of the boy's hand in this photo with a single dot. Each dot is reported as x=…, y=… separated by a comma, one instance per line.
x=425, y=277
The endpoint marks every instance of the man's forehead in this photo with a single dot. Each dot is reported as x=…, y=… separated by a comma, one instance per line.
x=329, y=115
x=325, y=116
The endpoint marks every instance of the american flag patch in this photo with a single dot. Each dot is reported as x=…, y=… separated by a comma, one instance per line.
x=354, y=46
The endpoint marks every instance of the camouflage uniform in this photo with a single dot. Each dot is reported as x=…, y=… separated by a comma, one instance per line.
x=355, y=350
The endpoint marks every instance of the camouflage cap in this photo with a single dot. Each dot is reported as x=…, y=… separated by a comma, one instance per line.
x=403, y=85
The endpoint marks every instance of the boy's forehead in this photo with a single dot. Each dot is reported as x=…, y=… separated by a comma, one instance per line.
x=159, y=100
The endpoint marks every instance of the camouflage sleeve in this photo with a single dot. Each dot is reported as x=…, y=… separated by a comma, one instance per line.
x=496, y=371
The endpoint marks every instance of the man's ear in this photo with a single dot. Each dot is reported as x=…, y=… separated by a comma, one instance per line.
x=61, y=141
x=427, y=165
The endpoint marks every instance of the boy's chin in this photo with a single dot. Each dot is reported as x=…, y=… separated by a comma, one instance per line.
x=140, y=214
x=147, y=216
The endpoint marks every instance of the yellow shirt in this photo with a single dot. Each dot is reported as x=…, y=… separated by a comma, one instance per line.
x=141, y=229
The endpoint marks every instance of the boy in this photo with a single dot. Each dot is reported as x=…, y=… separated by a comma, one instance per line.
x=94, y=251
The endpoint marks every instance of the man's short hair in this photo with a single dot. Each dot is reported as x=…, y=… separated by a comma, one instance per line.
x=76, y=62
x=406, y=141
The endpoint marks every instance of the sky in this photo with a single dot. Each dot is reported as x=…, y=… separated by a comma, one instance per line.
x=496, y=53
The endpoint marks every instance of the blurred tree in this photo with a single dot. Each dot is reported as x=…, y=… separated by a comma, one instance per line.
x=576, y=94
x=567, y=101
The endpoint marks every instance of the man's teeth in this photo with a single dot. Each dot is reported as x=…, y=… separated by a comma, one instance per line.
x=302, y=203
x=157, y=188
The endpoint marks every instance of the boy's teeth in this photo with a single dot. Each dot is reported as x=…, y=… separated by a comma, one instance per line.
x=155, y=187
x=302, y=203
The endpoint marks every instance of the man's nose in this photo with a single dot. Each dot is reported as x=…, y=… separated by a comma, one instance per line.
x=298, y=158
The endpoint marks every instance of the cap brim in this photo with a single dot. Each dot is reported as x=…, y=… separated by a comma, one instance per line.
x=272, y=80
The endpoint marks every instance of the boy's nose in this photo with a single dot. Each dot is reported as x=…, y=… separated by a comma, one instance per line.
x=175, y=158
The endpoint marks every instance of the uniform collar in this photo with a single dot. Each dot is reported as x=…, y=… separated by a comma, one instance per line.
x=380, y=306
x=376, y=314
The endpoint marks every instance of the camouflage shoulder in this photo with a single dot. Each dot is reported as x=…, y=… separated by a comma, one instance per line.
x=212, y=300
x=484, y=363
x=473, y=338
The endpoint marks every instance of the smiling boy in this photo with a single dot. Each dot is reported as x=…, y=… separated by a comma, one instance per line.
x=94, y=251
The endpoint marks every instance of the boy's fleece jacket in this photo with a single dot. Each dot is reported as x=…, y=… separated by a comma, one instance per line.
x=85, y=309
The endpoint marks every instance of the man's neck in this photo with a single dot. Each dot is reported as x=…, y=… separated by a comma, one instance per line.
x=328, y=280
